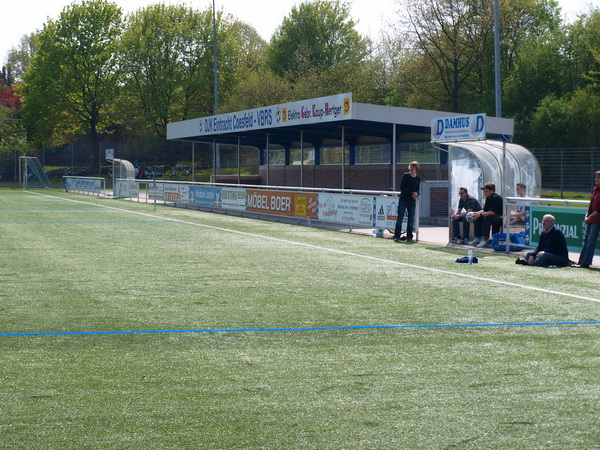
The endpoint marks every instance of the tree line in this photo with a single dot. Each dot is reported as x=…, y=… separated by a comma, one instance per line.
x=95, y=72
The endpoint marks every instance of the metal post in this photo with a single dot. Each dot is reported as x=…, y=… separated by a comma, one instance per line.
x=214, y=160
x=215, y=60
x=239, y=172
x=301, y=158
x=343, y=158
x=267, y=157
x=562, y=174
x=497, y=60
x=505, y=221
x=394, y=157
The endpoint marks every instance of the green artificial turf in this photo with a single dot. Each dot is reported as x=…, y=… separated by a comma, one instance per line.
x=257, y=334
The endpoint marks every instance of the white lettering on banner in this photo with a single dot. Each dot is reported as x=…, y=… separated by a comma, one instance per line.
x=276, y=203
x=570, y=231
x=316, y=110
x=256, y=201
x=458, y=128
x=280, y=204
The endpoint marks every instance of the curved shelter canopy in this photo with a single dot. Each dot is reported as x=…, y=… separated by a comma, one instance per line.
x=474, y=163
x=123, y=168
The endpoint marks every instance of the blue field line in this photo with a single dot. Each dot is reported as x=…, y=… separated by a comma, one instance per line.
x=332, y=328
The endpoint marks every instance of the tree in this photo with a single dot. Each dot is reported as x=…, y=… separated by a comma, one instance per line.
x=167, y=56
x=315, y=36
x=569, y=118
x=20, y=58
x=13, y=136
x=450, y=39
x=74, y=76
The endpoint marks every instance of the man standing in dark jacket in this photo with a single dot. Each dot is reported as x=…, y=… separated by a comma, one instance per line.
x=410, y=185
x=552, y=248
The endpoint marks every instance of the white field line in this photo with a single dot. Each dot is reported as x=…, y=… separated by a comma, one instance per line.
x=341, y=252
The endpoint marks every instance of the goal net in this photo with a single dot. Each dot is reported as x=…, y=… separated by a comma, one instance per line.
x=32, y=174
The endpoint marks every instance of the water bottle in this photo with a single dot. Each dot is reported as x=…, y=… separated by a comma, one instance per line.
x=470, y=256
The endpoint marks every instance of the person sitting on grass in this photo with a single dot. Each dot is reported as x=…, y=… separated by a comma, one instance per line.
x=552, y=248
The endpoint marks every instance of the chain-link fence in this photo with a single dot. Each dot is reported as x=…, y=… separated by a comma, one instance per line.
x=563, y=169
x=165, y=159
x=568, y=169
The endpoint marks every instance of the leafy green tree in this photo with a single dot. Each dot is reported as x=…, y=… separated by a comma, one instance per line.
x=569, y=117
x=167, y=56
x=450, y=64
x=259, y=88
x=539, y=70
x=450, y=39
x=19, y=58
x=13, y=136
x=74, y=76
x=315, y=36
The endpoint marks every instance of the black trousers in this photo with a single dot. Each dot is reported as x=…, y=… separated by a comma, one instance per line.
x=485, y=223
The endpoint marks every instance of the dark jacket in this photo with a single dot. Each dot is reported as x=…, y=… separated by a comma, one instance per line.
x=595, y=205
x=494, y=203
x=408, y=185
x=553, y=241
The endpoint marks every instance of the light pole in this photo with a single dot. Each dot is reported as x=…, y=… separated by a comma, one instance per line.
x=497, y=59
x=217, y=153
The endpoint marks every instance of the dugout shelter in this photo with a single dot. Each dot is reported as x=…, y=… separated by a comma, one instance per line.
x=300, y=143
x=336, y=143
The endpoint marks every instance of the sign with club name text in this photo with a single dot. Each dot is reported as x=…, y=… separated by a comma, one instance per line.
x=316, y=110
x=458, y=128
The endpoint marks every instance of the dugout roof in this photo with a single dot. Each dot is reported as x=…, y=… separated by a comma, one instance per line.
x=319, y=119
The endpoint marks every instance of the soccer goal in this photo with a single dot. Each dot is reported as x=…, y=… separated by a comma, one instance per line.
x=32, y=174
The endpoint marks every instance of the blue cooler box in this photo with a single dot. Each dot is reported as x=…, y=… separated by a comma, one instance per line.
x=499, y=241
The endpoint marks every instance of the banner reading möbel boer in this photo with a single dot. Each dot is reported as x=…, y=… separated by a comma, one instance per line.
x=282, y=203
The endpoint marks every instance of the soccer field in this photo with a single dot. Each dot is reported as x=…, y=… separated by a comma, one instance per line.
x=126, y=327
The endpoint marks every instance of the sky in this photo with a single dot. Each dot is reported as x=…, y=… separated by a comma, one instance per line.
x=23, y=17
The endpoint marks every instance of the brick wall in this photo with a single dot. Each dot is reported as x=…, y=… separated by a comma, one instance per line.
x=438, y=202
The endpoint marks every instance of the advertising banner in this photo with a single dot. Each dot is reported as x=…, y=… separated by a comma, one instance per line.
x=127, y=189
x=82, y=184
x=292, y=204
x=204, y=196
x=386, y=212
x=233, y=199
x=156, y=191
x=174, y=192
x=348, y=209
x=569, y=220
x=458, y=128
x=317, y=110
x=305, y=205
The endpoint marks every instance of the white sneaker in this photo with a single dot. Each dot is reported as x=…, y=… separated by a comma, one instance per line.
x=483, y=243
x=475, y=241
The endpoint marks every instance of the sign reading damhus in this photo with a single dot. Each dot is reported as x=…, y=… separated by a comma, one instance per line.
x=458, y=128
x=317, y=110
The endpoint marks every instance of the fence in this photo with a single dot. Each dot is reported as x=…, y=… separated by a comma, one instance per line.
x=563, y=169
x=568, y=169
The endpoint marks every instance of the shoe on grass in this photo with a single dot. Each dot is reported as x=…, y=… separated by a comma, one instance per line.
x=483, y=243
